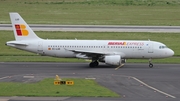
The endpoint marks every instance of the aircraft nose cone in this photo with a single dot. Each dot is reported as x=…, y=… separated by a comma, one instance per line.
x=171, y=52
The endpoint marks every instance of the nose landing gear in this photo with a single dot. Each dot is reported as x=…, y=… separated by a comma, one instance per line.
x=150, y=64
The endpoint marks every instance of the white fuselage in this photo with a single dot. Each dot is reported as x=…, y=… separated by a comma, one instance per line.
x=127, y=49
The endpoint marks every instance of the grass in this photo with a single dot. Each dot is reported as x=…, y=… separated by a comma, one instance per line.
x=37, y=59
x=82, y=87
x=52, y=59
x=12, y=54
x=95, y=12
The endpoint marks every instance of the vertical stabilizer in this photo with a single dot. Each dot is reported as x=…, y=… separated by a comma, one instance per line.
x=21, y=29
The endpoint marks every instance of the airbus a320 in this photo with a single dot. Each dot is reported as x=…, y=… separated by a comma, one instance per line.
x=112, y=52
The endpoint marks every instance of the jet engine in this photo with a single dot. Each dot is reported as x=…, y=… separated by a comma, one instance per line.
x=113, y=59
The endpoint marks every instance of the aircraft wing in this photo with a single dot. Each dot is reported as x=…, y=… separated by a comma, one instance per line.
x=90, y=54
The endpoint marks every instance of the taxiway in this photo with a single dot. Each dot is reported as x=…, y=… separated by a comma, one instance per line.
x=134, y=81
x=98, y=28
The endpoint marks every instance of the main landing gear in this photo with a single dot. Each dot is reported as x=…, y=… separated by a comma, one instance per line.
x=150, y=64
x=94, y=63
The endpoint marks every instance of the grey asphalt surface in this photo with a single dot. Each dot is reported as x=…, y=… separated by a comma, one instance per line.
x=98, y=28
x=164, y=77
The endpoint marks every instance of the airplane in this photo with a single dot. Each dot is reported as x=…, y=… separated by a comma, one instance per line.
x=111, y=52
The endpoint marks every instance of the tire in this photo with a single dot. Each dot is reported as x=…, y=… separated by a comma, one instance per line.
x=151, y=65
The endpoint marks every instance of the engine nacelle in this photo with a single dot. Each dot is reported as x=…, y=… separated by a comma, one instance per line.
x=113, y=59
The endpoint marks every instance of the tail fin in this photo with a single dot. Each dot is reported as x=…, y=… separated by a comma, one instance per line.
x=21, y=29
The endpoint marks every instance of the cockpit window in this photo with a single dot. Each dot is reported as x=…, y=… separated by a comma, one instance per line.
x=162, y=47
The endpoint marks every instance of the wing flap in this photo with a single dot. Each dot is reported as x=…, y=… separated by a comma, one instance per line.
x=89, y=52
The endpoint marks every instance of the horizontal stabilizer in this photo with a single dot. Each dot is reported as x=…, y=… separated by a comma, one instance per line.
x=16, y=43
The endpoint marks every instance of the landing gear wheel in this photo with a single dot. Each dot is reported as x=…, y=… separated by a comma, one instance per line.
x=94, y=64
x=150, y=65
x=91, y=64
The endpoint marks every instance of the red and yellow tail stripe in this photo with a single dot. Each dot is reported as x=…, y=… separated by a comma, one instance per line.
x=21, y=30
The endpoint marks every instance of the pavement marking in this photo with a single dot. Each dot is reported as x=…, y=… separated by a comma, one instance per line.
x=4, y=99
x=119, y=67
x=153, y=88
x=4, y=77
x=28, y=77
x=91, y=78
